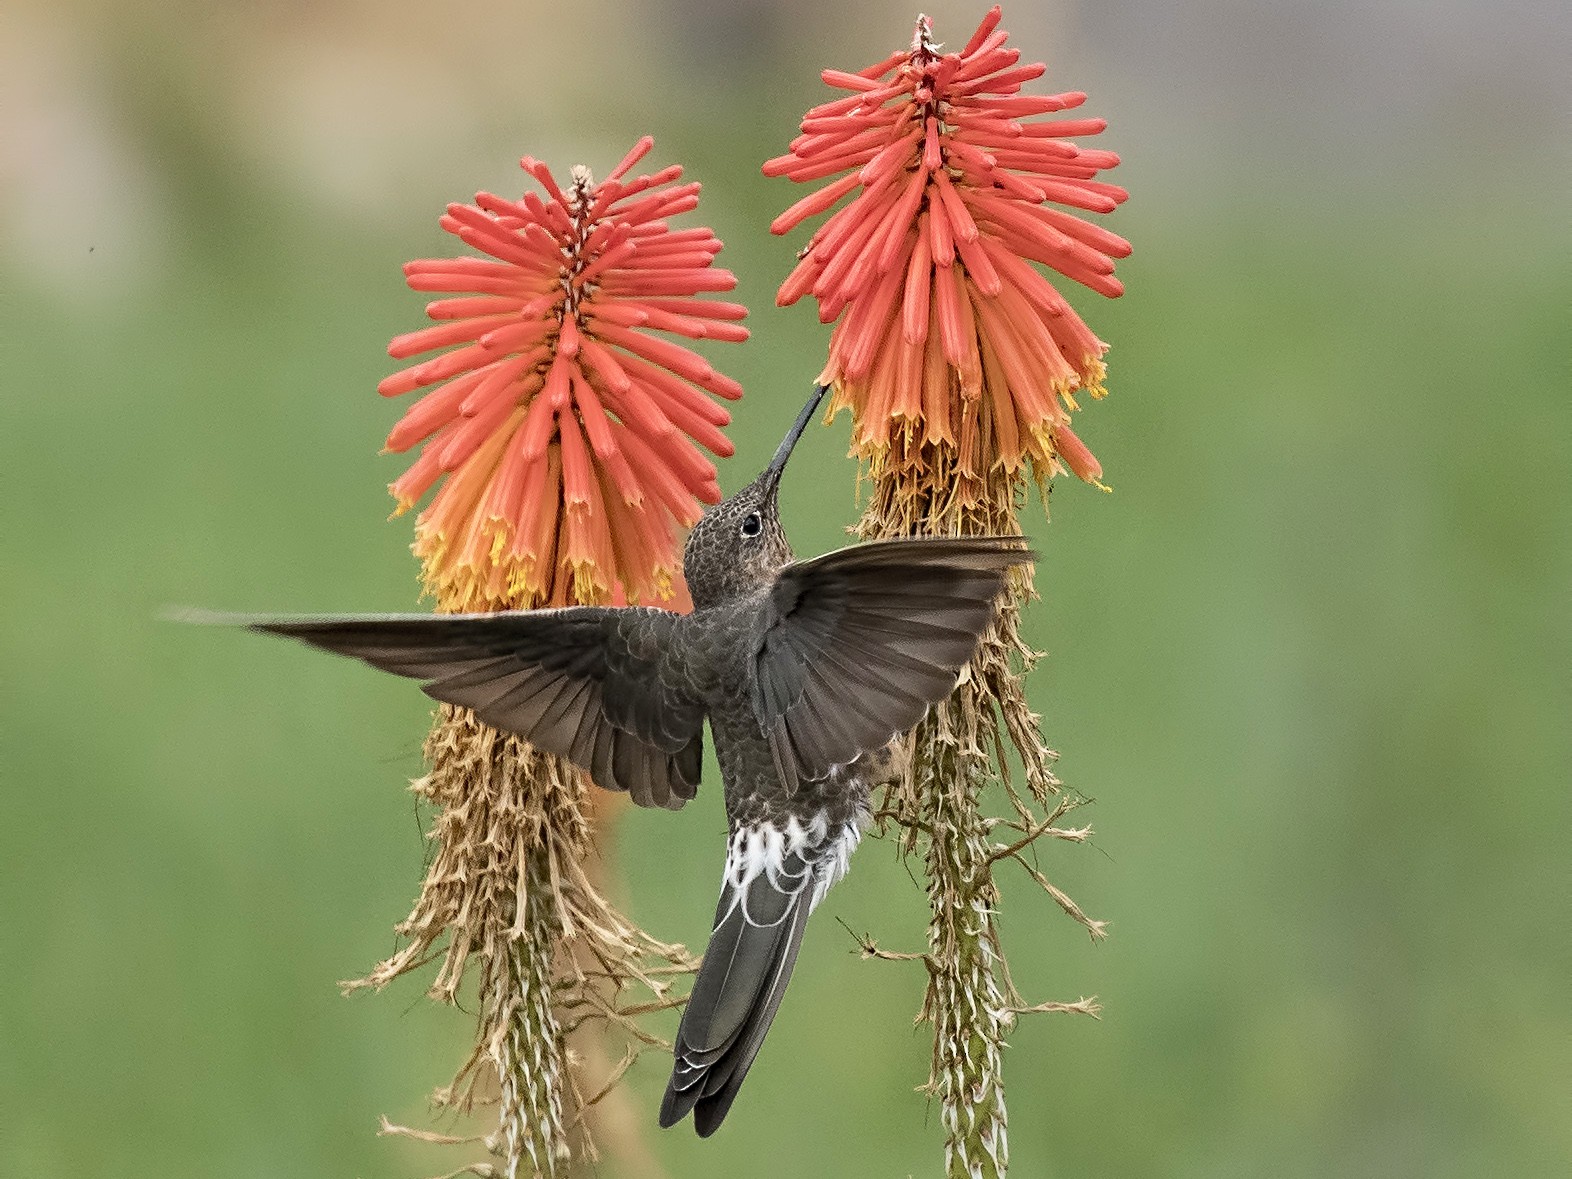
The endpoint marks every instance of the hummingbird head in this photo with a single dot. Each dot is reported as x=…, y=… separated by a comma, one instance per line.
x=739, y=544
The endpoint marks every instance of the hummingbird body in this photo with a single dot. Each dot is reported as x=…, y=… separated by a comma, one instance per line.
x=805, y=672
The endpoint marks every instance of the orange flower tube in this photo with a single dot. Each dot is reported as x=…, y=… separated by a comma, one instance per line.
x=553, y=379
x=954, y=175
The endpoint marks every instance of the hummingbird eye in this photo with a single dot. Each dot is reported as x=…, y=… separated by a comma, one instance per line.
x=751, y=524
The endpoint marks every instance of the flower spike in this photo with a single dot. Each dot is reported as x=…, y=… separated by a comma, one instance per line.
x=566, y=435
x=953, y=180
x=945, y=193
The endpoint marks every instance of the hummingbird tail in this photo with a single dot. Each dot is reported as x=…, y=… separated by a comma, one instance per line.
x=773, y=880
x=741, y=983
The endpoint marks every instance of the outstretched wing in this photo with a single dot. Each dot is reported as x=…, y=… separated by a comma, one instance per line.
x=855, y=645
x=583, y=682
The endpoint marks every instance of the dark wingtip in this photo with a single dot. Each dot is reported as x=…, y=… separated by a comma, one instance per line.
x=1010, y=550
x=289, y=627
x=196, y=616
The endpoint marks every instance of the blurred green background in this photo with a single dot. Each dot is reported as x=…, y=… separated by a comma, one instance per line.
x=1311, y=658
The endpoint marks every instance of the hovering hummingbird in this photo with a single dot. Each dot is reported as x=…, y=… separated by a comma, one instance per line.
x=805, y=669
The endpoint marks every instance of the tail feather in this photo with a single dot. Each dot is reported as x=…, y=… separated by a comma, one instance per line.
x=759, y=925
x=709, y=1071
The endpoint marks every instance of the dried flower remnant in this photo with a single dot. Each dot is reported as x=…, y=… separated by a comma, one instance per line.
x=928, y=267
x=566, y=437
x=568, y=433
x=961, y=363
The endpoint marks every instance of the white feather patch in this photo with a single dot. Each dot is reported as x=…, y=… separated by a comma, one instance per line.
x=791, y=857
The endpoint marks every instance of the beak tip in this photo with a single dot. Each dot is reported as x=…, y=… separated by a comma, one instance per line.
x=783, y=452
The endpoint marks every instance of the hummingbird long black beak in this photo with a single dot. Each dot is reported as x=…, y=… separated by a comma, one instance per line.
x=772, y=473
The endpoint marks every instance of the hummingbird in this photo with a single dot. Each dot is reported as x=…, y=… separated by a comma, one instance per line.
x=805, y=671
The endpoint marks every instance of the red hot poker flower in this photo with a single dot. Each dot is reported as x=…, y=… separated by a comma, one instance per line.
x=928, y=266
x=569, y=434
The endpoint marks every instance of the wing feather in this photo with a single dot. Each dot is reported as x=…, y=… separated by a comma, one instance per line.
x=583, y=682
x=855, y=646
